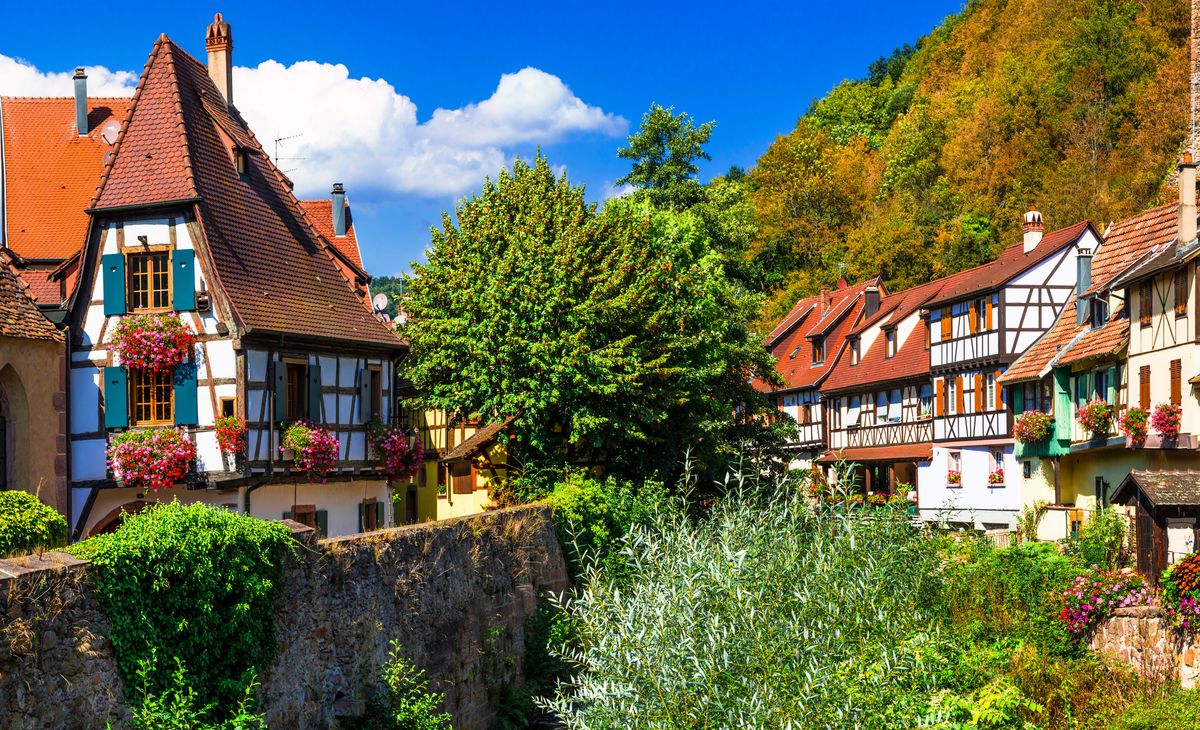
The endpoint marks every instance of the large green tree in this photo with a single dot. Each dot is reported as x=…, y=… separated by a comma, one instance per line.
x=611, y=337
x=664, y=152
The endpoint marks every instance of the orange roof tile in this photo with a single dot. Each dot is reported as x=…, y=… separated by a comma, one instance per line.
x=320, y=215
x=19, y=316
x=278, y=273
x=1130, y=241
x=1101, y=342
x=51, y=173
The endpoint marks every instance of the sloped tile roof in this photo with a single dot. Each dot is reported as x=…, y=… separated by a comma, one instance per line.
x=1131, y=242
x=19, y=316
x=50, y=172
x=1011, y=263
x=1164, y=488
x=480, y=440
x=320, y=215
x=1047, y=349
x=899, y=452
x=1104, y=341
x=277, y=271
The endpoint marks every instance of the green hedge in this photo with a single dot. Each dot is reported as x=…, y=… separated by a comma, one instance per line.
x=194, y=582
x=26, y=524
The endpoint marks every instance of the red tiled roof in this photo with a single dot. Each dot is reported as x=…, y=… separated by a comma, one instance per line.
x=19, y=316
x=1011, y=262
x=320, y=215
x=41, y=288
x=1132, y=240
x=1102, y=342
x=899, y=452
x=278, y=273
x=50, y=172
x=834, y=323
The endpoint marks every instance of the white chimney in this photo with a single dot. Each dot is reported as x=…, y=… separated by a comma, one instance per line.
x=218, y=41
x=81, y=102
x=1032, y=227
x=1187, y=199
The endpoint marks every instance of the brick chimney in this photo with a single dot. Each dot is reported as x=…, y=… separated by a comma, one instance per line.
x=338, y=198
x=81, y=105
x=218, y=41
x=826, y=299
x=1031, y=227
x=1187, y=199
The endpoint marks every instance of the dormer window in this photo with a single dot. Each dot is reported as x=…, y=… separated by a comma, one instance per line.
x=890, y=336
x=1099, y=313
x=818, y=350
x=239, y=161
x=854, y=352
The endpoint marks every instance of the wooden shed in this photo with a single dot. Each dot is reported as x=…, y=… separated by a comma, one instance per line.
x=1166, y=514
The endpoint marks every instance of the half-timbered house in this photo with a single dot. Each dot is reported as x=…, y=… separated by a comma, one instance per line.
x=192, y=217
x=978, y=326
x=806, y=344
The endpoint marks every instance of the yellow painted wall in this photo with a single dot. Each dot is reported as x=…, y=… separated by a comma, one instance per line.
x=436, y=500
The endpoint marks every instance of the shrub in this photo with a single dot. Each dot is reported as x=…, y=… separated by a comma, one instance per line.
x=1032, y=427
x=27, y=525
x=1101, y=541
x=1000, y=705
x=408, y=703
x=1095, y=416
x=153, y=341
x=1179, y=709
x=1094, y=595
x=194, y=582
x=1030, y=519
x=231, y=435
x=1165, y=419
x=766, y=614
x=151, y=458
x=1135, y=423
x=177, y=707
x=314, y=449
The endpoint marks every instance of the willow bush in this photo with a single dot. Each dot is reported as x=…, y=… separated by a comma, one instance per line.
x=768, y=613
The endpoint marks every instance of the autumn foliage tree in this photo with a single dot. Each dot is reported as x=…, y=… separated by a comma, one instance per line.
x=610, y=337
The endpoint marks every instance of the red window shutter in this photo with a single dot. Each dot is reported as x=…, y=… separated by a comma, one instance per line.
x=1144, y=304
x=989, y=313
x=958, y=396
x=979, y=399
x=1176, y=382
x=972, y=318
x=947, y=324
x=1181, y=291
x=999, y=392
x=1144, y=386
x=939, y=390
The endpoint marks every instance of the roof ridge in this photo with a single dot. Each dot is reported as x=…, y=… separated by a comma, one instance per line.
x=137, y=95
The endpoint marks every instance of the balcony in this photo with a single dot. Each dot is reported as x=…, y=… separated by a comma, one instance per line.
x=885, y=434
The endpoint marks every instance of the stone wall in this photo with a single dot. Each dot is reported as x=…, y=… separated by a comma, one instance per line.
x=1142, y=638
x=455, y=594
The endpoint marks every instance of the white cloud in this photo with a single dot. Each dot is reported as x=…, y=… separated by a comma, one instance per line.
x=611, y=190
x=362, y=131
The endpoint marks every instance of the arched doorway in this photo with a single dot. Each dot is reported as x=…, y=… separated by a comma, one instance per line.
x=14, y=432
x=111, y=521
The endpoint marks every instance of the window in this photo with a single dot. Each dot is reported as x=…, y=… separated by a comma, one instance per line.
x=818, y=348
x=1100, y=384
x=854, y=352
x=890, y=334
x=926, y=398
x=227, y=407
x=1036, y=396
x=152, y=397
x=305, y=514
x=370, y=515
x=990, y=385
x=953, y=395
x=1099, y=312
x=1144, y=303
x=1181, y=292
x=1082, y=389
x=806, y=414
x=297, y=391
x=895, y=406
x=149, y=281
x=997, y=459
x=852, y=415
x=836, y=413
x=954, y=459
x=374, y=377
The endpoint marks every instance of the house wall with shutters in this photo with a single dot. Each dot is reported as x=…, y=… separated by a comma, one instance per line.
x=883, y=417
x=1163, y=346
x=975, y=501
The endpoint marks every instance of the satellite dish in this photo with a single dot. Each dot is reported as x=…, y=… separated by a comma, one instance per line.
x=109, y=131
x=380, y=301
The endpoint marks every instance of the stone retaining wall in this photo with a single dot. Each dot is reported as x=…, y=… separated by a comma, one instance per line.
x=1142, y=638
x=456, y=594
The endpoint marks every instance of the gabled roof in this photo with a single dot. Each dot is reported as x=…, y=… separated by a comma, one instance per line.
x=482, y=439
x=1164, y=488
x=19, y=316
x=1104, y=341
x=178, y=144
x=50, y=172
x=809, y=317
x=320, y=215
x=1137, y=240
x=1012, y=262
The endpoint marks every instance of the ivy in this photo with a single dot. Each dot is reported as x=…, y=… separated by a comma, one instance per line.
x=194, y=582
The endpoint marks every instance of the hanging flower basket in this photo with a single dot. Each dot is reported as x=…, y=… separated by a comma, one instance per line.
x=314, y=449
x=151, y=458
x=996, y=476
x=1095, y=416
x=953, y=477
x=1135, y=424
x=1165, y=420
x=400, y=453
x=153, y=341
x=1033, y=427
x=231, y=435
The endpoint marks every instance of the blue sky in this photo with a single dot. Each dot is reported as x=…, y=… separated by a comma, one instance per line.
x=575, y=81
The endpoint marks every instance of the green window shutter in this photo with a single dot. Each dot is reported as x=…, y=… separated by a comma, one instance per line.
x=116, y=397
x=379, y=516
x=183, y=281
x=1062, y=403
x=314, y=394
x=114, y=283
x=323, y=522
x=279, y=389
x=1110, y=396
x=364, y=395
x=362, y=516
x=1018, y=399
x=287, y=515
x=185, y=395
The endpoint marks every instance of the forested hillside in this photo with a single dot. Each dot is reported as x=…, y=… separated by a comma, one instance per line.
x=923, y=167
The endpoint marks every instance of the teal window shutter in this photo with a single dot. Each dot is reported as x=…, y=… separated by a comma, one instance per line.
x=185, y=395
x=113, y=265
x=314, y=394
x=279, y=389
x=379, y=515
x=183, y=281
x=116, y=397
x=1018, y=399
x=323, y=522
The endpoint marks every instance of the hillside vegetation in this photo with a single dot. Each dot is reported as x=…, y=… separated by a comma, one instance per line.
x=923, y=167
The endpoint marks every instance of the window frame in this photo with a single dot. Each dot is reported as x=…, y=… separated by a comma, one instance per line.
x=889, y=338
x=376, y=390
x=301, y=391
x=1181, y=292
x=1145, y=303
x=135, y=402
x=818, y=350
x=148, y=253
x=989, y=398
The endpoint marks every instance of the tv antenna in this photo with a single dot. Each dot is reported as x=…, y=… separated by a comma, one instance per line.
x=278, y=158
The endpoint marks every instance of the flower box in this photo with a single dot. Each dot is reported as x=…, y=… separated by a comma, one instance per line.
x=1095, y=416
x=400, y=453
x=313, y=449
x=151, y=458
x=1033, y=427
x=996, y=478
x=1134, y=425
x=954, y=478
x=153, y=341
x=1165, y=419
